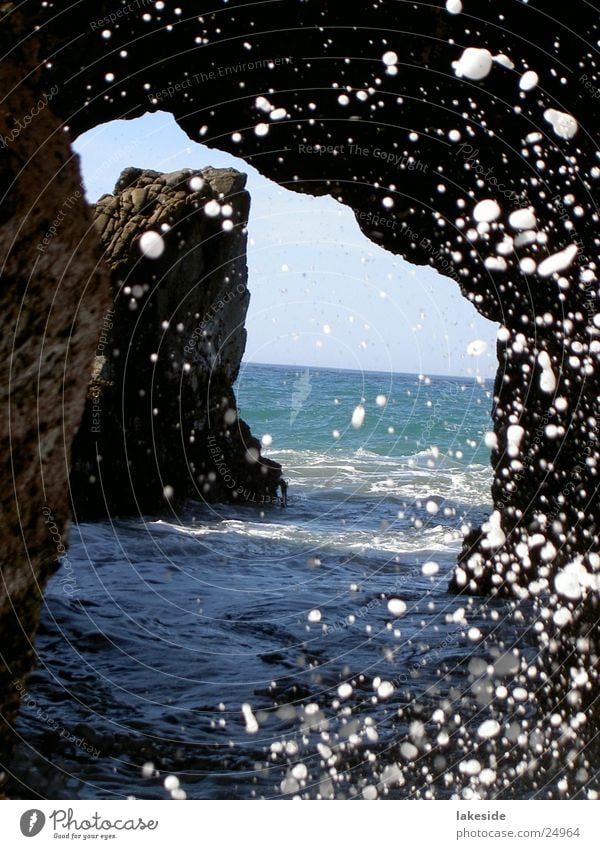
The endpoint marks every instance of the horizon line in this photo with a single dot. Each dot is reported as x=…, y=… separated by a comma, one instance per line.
x=364, y=371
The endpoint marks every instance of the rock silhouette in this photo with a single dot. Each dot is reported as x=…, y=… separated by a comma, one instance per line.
x=160, y=423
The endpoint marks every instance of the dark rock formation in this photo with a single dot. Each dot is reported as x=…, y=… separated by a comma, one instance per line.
x=302, y=90
x=53, y=296
x=160, y=423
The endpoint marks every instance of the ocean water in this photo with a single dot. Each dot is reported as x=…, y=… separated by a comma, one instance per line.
x=254, y=651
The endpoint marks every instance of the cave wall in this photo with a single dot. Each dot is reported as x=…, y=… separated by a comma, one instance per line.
x=54, y=293
x=364, y=105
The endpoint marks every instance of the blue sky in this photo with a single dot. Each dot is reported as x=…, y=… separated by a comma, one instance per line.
x=322, y=293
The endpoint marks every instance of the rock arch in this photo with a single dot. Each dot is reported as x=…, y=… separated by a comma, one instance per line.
x=366, y=106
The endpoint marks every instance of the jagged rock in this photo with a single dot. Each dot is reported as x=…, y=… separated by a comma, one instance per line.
x=160, y=422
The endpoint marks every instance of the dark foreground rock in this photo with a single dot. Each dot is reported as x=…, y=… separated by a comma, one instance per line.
x=160, y=422
x=53, y=295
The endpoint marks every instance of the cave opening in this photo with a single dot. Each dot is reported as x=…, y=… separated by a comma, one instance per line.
x=324, y=298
